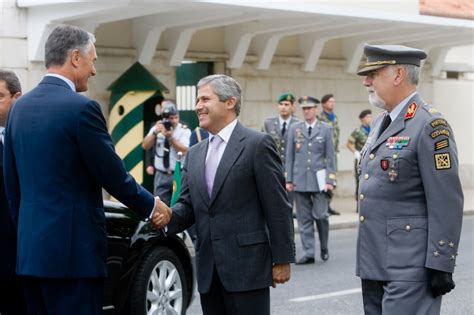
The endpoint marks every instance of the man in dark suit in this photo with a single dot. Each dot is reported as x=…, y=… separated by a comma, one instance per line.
x=58, y=156
x=233, y=189
x=11, y=296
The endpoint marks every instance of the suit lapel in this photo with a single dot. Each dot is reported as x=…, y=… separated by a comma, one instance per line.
x=199, y=174
x=231, y=153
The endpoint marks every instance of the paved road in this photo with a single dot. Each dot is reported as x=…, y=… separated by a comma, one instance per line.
x=332, y=288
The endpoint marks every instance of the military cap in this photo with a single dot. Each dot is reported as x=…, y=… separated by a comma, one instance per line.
x=169, y=108
x=308, y=101
x=379, y=56
x=286, y=97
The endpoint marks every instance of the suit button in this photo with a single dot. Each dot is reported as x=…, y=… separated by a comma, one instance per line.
x=309, y=161
x=283, y=149
x=408, y=227
x=395, y=156
x=282, y=140
x=366, y=176
x=309, y=144
x=361, y=196
x=372, y=156
x=361, y=218
x=308, y=168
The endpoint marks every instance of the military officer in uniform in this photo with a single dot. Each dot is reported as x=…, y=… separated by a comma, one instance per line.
x=327, y=115
x=311, y=175
x=357, y=139
x=169, y=137
x=410, y=195
x=278, y=127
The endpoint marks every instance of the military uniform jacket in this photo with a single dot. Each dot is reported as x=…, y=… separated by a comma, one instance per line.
x=411, y=201
x=308, y=154
x=273, y=128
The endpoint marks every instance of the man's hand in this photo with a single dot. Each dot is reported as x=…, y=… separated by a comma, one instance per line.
x=150, y=170
x=329, y=187
x=289, y=187
x=357, y=155
x=441, y=282
x=281, y=273
x=161, y=214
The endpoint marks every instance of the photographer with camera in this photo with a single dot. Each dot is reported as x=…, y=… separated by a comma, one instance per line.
x=167, y=137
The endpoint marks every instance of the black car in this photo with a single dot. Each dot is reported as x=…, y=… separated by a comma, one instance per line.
x=148, y=272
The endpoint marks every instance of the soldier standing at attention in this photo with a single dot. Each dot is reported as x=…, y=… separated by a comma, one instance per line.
x=278, y=127
x=328, y=116
x=410, y=195
x=311, y=175
x=357, y=139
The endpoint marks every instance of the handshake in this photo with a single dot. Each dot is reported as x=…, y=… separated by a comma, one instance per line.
x=161, y=215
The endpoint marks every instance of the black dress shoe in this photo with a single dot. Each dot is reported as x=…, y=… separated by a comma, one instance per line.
x=331, y=211
x=324, y=255
x=305, y=261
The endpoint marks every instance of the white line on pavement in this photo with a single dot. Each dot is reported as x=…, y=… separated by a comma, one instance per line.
x=325, y=295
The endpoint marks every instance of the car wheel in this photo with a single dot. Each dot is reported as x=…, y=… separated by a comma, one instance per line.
x=159, y=286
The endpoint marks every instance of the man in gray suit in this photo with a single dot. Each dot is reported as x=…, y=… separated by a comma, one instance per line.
x=410, y=196
x=278, y=127
x=233, y=189
x=310, y=170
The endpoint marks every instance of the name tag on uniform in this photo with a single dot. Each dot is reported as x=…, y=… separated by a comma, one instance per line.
x=397, y=143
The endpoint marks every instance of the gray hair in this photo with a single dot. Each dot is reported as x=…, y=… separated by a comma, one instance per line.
x=224, y=87
x=62, y=40
x=11, y=81
x=413, y=73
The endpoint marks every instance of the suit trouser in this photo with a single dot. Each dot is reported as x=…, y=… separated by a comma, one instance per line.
x=399, y=297
x=47, y=296
x=12, y=300
x=219, y=301
x=163, y=186
x=312, y=206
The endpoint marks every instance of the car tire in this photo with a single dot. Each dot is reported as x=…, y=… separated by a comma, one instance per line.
x=159, y=286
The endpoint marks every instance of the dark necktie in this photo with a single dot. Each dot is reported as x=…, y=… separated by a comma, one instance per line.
x=283, y=130
x=309, y=131
x=1, y=153
x=166, y=155
x=385, y=123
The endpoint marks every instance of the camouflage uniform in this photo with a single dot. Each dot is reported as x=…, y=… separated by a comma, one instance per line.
x=335, y=130
x=358, y=137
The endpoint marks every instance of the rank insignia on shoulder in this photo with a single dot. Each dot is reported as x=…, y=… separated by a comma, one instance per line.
x=411, y=110
x=438, y=122
x=433, y=111
x=397, y=142
x=441, y=144
x=440, y=132
x=442, y=161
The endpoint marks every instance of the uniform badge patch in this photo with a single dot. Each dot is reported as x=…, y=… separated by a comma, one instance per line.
x=397, y=142
x=442, y=161
x=440, y=132
x=441, y=144
x=411, y=110
x=438, y=122
x=392, y=175
x=384, y=164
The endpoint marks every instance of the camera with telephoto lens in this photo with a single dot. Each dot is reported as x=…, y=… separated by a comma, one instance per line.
x=169, y=110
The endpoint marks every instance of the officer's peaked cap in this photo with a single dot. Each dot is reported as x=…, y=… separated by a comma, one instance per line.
x=379, y=56
x=308, y=101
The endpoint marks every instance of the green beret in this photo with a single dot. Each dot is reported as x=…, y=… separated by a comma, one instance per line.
x=379, y=56
x=286, y=97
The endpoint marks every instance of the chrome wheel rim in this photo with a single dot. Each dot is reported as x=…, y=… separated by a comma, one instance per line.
x=164, y=290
